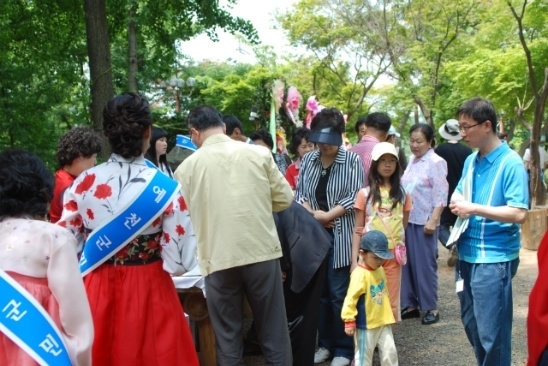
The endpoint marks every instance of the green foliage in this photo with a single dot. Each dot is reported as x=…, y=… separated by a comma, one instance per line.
x=44, y=85
x=161, y=26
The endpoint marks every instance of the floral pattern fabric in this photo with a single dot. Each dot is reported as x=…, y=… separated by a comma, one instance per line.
x=96, y=194
x=143, y=249
x=425, y=179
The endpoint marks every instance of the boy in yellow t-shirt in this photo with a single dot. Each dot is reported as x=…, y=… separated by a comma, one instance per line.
x=366, y=311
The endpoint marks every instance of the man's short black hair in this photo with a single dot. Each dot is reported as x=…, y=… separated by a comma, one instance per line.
x=379, y=121
x=480, y=110
x=264, y=136
x=204, y=117
x=232, y=122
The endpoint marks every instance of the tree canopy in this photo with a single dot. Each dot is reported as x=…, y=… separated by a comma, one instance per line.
x=45, y=65
x=415, y=59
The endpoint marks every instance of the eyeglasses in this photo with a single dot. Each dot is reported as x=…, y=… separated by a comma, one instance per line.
x=388, y=161
x=466, y=128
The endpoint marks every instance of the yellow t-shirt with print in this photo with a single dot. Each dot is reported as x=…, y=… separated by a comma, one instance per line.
x=383, y=217
x=367, y=302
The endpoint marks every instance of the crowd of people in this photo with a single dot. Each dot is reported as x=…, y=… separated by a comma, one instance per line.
x=330, y=251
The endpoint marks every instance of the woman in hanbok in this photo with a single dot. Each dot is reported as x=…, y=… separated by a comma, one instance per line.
x=41, y=258
x=136, y=311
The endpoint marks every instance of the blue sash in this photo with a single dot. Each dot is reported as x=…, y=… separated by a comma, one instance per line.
x=185, y=142
x=26, y=323
x=129, y=222
x=150, y=164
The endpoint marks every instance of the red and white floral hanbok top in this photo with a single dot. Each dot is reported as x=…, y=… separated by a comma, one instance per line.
x=97, y=192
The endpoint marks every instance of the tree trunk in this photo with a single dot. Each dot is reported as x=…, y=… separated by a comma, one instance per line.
x=133, y=59
x=100, y=67
x=537, y=187
x=426, y=112
x=416, y=114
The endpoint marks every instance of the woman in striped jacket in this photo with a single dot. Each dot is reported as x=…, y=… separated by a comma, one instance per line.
x=329, y=180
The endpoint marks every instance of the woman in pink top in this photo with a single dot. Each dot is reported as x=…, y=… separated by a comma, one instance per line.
x=41, y=257
x=425, y=179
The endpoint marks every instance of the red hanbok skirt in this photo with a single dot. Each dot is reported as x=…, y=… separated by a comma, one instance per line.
x=138, y=318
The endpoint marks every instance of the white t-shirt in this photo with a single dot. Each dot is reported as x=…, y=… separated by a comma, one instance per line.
x=527, y=157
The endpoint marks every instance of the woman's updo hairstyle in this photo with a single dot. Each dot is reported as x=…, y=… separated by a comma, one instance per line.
x=26, y=185
x=126, y=117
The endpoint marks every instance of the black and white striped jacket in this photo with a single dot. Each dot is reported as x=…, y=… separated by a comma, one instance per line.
x=345, y=180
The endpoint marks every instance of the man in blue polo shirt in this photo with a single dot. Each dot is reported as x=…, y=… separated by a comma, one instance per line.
x=491, y=199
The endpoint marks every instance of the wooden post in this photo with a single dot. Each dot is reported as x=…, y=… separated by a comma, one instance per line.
x=206, y=336
x=195, y=305
x=534, y=227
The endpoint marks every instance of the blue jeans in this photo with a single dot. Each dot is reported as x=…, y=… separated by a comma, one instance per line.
x=331, y=333
x=486, y=309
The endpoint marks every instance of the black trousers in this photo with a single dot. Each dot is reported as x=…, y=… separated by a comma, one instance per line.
x=305, y=304
x=303, y=310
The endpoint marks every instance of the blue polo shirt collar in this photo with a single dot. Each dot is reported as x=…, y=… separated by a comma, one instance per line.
x=493, y=155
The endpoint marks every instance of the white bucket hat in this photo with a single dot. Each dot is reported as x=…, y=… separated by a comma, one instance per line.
x=450, y=130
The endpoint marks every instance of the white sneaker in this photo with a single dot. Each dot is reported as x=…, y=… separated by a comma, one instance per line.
x=340, y=361
x=321, y=355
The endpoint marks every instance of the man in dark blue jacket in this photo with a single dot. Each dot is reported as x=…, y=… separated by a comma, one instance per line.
x=305, y=244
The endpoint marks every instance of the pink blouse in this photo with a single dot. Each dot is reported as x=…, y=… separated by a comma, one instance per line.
x=426, y=180
x=43, y=250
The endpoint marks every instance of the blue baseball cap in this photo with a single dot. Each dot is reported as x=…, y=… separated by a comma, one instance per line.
x=375, y=241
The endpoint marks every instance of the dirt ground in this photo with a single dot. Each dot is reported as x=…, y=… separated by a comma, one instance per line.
x=445, y=343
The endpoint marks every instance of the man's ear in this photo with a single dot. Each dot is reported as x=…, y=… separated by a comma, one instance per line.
x=237, y=132
x=148, y=132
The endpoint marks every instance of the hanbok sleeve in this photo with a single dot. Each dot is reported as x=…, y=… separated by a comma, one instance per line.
x=178, y=238
x=72, y=220
x=67, y=286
